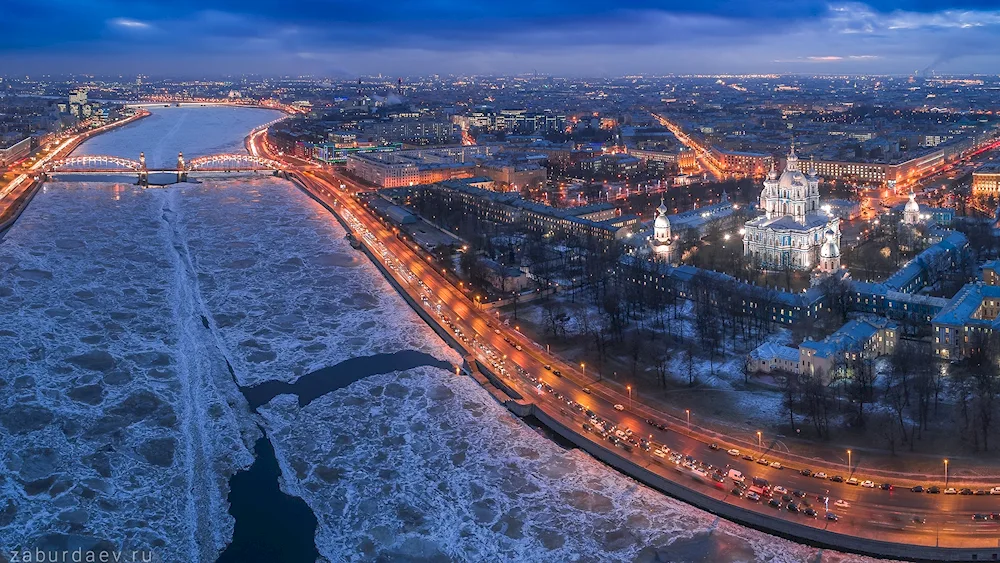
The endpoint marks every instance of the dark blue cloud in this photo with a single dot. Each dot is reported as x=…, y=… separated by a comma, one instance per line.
x=444, y=35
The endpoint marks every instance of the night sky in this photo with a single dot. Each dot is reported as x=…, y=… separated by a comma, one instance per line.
x=566, y=37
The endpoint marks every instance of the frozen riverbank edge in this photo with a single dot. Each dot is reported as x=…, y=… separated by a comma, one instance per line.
x=807, y=535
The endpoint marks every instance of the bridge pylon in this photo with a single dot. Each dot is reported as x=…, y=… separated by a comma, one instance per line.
x=143, y=171
x=181, y=168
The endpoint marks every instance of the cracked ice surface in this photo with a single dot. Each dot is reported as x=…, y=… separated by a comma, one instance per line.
x=118, y=419
x=287, y=292
x=444, y=473
x=195, y=131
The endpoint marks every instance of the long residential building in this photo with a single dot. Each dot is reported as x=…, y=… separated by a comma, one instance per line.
x=15, y=152
x=419, y=166
x=598, y=221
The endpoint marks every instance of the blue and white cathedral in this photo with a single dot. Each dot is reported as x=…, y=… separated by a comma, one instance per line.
x=793, y=232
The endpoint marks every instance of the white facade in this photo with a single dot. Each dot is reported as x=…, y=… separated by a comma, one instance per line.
x=793, y=227
x=662, y=242
x=911, y=213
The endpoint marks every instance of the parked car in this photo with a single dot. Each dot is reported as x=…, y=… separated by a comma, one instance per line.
x=806, y=472
x=776, y=465
x=934, y=490
x=619, y=407
x=965, y=492
x=885, y=487
x=995, y=491
x=868, y=484
x=917, y=489
x=951, y=491
x=837, y=479
x=820, y=475
x=853, y=481
x=733, y=452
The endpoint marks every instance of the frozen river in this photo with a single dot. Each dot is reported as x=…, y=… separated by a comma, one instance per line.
x=132, y=323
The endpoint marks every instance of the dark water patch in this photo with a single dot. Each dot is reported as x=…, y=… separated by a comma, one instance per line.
x=539, y=427
x=322, y=381
x=705, y=547
x=270, y=525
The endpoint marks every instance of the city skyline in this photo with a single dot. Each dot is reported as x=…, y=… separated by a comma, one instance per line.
x=572, y=39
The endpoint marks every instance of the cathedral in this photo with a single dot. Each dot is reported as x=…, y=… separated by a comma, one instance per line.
x=793, y=232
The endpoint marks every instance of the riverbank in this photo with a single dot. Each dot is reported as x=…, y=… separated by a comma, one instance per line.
x=26, y=192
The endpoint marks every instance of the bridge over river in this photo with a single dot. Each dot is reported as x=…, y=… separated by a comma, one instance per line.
x=106, y=164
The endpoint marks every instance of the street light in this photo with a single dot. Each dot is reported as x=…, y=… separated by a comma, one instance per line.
x=629, y=388
x=583, y=366
x=848, y=463
x=758, y=440
x=946, y=473
x=688, y=413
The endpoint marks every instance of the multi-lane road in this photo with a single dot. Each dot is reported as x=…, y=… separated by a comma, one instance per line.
x=898, y=515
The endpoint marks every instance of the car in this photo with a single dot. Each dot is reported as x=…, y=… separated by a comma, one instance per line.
x=659, y=453
x=965, y=492
x=776, y=465
x=810, y=512
x=774, y=503
x=736, y=492
x=868, y=484
x=713, y=446
x=917, y=489
x=841, y=503
x=853, y=481
x=981, y=492
x=762, y=461
x=995, y=491
x=780, y=490
x=546, y=366
x=885, y=487
x=557, y=373
x=733, y=452
x=951, y=491
x=650, y=422
x=919, y=520
x=994, y=516
x=806, y=472
x=820, y=475
x=786, y=498
x=837, y=479
x=800, y=494
x=753, y=496
x=792, y=507
x=586, y=390
x=934, y=490
x=831, y=517
x=496, y=330
x=619, y=407
x=748, y=457
x=518, y=347
x=980, y=517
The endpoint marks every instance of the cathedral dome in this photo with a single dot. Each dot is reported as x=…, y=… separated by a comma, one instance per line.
x=662, y=209
x=830, y=248
x=912, y=206
x=661, y=222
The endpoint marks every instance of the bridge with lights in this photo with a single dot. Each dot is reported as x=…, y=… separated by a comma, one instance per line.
x=215, y=163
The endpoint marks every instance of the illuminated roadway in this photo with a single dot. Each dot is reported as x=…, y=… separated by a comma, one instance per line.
x=946, y=520
x=704, y=154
